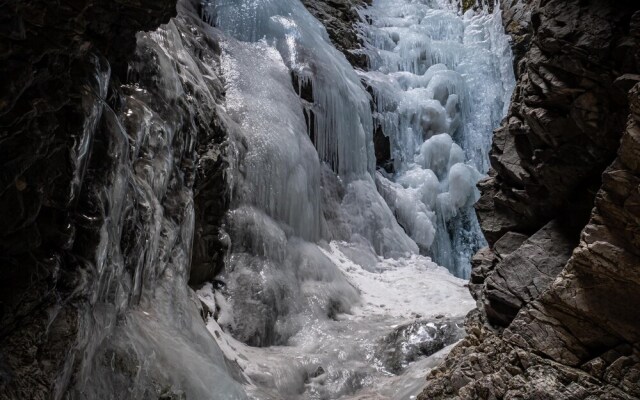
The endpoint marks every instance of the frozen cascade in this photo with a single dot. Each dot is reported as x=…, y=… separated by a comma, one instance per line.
x=324, y=294
x=442, y=82
x=343, y=124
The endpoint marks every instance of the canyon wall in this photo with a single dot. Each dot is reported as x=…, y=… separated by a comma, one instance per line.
x=557, y=289
x=57, y=62
x=111, y=153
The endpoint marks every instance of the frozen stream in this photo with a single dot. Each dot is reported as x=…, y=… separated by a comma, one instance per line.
x=329, y=290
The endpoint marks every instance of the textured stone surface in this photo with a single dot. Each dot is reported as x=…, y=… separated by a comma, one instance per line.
x=340, y=18
x=596, y=297
x=555, y=321
x=566, y=116
x=85, y=109
x=484, y=366
x=524, y=273
x=408, y=342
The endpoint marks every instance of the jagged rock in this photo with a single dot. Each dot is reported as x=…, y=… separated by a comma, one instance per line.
x=508, y=243
x=566, y=115
x=484, y=366
x=516, y=17
x=339, y=18
x=567, y=329
x=525, y=273
x=595, y=298
x=421, y=338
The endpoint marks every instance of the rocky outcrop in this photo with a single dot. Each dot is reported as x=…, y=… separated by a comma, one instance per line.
x=408, y=342
x=564, y=123
x=524, y=273
x=58, y=60
x=106, y=135
x=579, y=339
x=555, y=320
x=340, y=18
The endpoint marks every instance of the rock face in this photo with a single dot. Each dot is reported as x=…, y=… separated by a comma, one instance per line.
x=340, y=18
x=564, y=124
x=105, y=138
x=57, y=60
x=555, y=320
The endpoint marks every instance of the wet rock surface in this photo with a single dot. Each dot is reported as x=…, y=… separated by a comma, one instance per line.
x=409, y=342
x=56, y=59
x=555, y=320
x=103, y=141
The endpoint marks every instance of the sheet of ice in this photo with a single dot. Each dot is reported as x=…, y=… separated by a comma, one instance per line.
x=441, y=82
x=276, y=167
x=342, y=115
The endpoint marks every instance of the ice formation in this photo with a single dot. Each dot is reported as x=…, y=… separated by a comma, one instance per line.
x=343, y=123
x=325, y=292
x=352, y=355
x=441, y=82
x=324, y=280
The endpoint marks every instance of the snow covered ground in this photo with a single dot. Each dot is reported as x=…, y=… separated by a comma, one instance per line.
x=346, y=355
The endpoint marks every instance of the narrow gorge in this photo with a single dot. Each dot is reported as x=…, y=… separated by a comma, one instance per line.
x=320, y=199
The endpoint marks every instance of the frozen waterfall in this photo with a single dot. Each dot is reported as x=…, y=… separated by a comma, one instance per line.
x=339, y=280
x=327, y=289
x=441, y=83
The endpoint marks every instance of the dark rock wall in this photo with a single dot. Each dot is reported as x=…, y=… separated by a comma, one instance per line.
x=58, y=60
x=555, y=320
x=110, y=153
x=566, y=116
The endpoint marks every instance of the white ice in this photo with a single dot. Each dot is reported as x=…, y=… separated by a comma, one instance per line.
x=343, y=354
x=441, y=82
x=324, y=268
x=343, y=122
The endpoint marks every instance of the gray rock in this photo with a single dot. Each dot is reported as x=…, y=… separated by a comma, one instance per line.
x=508, y=243
x=418, y=339
x=526, y=272
x=568, y=318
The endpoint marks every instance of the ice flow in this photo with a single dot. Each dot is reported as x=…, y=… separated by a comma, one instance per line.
x=327, y=291
x=441, y=83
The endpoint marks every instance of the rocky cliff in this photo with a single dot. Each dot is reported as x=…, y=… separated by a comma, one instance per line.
x=107, y=134
x=60, y=63
x=557, y=289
